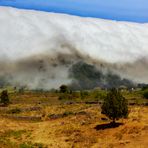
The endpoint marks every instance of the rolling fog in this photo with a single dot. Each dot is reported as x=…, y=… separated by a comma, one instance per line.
x=37, y=49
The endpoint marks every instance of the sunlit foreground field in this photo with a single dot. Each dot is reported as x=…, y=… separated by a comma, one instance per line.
x=36, y=120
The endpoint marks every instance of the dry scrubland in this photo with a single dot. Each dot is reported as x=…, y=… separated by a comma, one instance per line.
x=41, y=120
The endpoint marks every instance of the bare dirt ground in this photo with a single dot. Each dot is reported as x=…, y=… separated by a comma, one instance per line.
x=72, y=126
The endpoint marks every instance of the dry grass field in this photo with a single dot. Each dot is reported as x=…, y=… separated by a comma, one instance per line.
x=32, y=122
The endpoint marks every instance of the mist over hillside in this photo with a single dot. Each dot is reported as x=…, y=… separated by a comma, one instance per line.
x=39, y=49
x=87, y=76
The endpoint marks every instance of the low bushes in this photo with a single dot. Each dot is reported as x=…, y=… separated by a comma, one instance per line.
x=14, y=111
x=145, y=93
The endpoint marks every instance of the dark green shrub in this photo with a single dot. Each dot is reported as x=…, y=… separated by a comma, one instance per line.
x=115, y=106
x=5, y=97
x=63, y=89
x=145, y=94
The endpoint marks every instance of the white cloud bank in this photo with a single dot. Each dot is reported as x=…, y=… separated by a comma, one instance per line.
x=26, y=33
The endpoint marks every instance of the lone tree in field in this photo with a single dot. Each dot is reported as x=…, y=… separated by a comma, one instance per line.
x=4, y=97
x=63, y=88
x=115, y=106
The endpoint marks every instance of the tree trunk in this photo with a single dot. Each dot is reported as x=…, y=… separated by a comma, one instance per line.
x=113, y=122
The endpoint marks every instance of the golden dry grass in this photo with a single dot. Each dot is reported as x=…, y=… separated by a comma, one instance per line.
x=82, y=127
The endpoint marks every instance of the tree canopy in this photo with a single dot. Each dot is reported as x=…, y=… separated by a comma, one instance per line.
x=115, y=105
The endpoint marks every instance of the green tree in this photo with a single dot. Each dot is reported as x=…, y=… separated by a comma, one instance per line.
x=115, y=106
x=63, y=88
x=5, y=97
